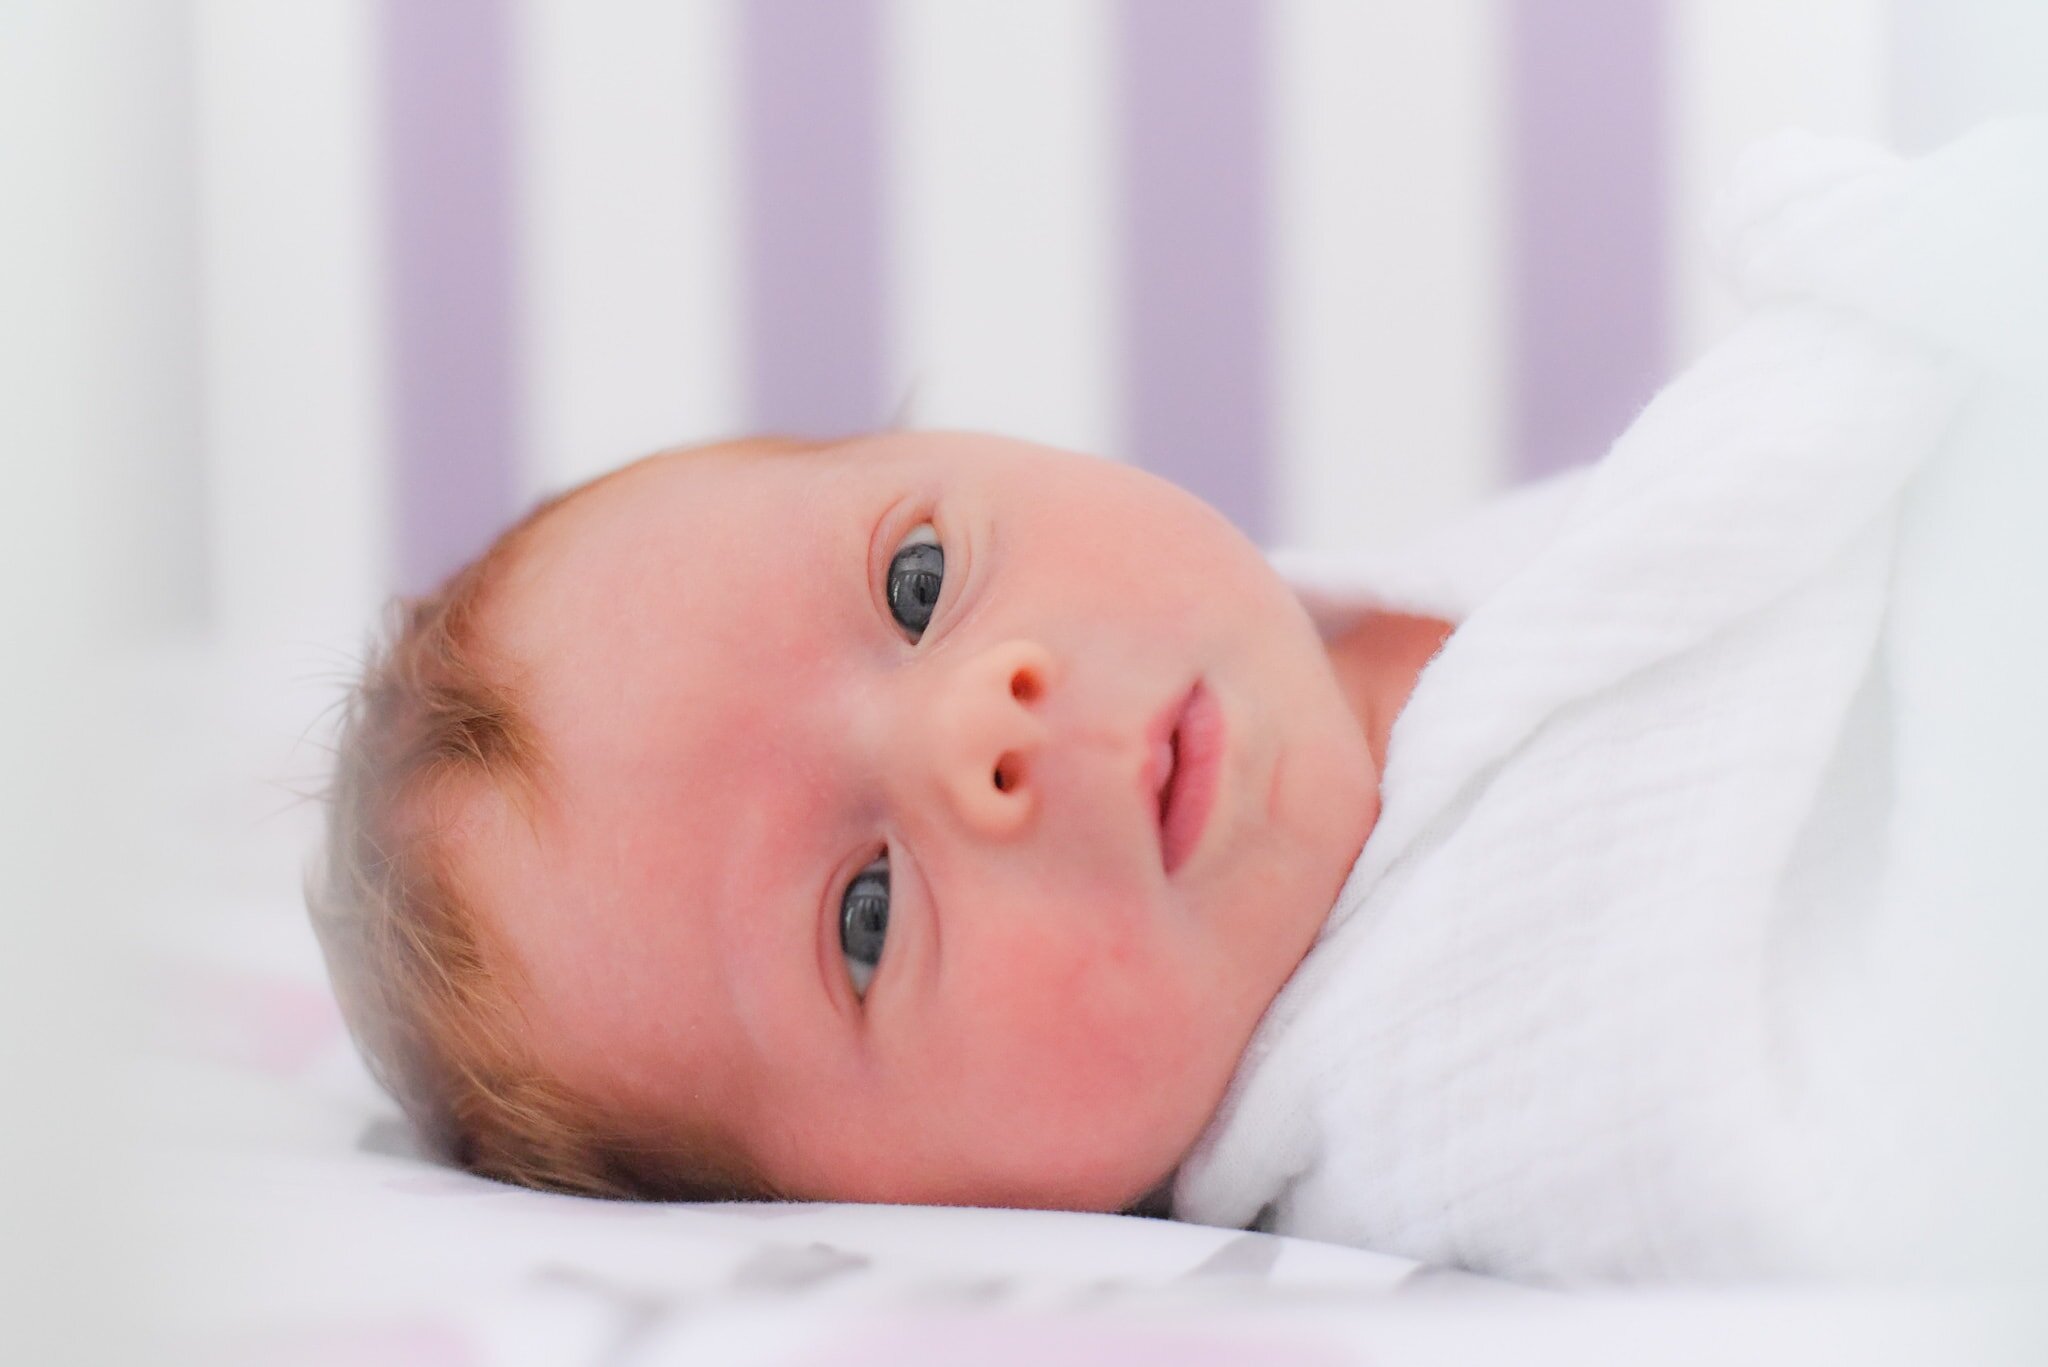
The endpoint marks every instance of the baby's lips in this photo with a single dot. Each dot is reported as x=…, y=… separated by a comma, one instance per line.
x=1157, y=774
x=1199, y=739
x=1159, y=770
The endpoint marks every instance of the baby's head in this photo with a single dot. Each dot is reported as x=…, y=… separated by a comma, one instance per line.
x=927, y=817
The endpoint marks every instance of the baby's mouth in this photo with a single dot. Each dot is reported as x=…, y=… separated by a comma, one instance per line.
x=1165, y=756
x=1186, y=746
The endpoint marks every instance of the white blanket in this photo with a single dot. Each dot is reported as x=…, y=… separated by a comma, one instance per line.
x=1666, y=956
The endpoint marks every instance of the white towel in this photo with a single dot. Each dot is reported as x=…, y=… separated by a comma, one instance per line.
x=1665, y=958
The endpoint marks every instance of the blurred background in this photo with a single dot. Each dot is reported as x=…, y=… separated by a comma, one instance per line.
x=351, y=282
x=300, y=301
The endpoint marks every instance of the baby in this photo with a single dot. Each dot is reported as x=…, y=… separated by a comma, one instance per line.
x=1597, y=890
x=920, y=818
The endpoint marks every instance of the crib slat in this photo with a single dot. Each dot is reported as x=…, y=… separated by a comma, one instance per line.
x=1001, y=244
x=292, y=318
x=1390, y=333
x=629, y=264
x=1741, y=69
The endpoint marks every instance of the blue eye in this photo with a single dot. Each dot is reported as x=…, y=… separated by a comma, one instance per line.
x=916, y=574
x=864, y=922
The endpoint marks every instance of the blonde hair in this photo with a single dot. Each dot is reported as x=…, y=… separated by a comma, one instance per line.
x=425, y=986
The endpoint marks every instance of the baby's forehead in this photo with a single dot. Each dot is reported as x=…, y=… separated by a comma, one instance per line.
x=653, y=841
x=704, y=566
x=615, y=1024
x=629, y=534
x=650, y=664
x=581, y=548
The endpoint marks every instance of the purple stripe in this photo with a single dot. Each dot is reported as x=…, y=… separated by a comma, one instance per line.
x=1195, y=247
x=447, y=143
x=1587, y=139
x=810, y=84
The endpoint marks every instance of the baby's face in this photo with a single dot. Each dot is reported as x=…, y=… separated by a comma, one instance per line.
x=852, y=835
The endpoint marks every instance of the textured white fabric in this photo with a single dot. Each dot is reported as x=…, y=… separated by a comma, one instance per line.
x=1665, y=958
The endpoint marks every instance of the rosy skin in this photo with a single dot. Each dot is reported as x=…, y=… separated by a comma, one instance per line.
x=735, y=726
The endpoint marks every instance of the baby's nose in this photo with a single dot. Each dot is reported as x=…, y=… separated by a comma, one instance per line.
x=985, y=732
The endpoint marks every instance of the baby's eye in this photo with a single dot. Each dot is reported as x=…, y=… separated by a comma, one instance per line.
x=864, y=921
x=916, y=574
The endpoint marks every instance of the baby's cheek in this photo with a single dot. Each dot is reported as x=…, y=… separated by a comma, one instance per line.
x=1065, y=1083
x=1082, y=1020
